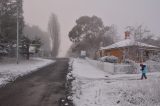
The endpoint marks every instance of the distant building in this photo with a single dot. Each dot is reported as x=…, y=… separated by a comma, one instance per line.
x=128, y=49
x=32, y=49
x=83, y=54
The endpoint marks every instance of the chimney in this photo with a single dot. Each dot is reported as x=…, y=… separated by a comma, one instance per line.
x=127, y=35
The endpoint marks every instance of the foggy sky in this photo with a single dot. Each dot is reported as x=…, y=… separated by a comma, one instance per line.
x=121, y=13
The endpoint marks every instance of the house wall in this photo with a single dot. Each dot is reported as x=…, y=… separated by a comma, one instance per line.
x=118, y=53
x=114, y=52
x=133, y=53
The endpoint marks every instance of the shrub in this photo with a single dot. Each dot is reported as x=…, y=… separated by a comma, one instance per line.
x=110, y=59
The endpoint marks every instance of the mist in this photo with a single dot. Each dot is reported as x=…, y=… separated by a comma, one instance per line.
x=120, y=13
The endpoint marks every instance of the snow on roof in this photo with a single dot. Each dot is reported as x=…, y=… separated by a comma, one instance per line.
x=126, y=43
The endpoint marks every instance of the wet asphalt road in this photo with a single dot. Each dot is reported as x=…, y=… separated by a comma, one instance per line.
x=41, y=88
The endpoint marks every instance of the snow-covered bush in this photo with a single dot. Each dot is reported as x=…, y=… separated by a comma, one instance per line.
x=128, y=61
x=110, y=59
x=155, y=58
x=153, y=66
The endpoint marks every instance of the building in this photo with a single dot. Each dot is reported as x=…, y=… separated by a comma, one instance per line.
x=129, y=49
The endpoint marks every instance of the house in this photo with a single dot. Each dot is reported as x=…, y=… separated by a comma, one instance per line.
x=34, y=48
x=129, y=49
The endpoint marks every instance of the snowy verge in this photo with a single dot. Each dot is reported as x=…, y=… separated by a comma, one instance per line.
x=83, y=69
x=9, y=71
x=90, y=87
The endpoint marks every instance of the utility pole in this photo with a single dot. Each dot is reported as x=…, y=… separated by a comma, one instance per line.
x=141, y=49
x=17, y=34
x=1, y=10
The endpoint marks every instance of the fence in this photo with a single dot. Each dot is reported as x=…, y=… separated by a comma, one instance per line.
x=112, y=68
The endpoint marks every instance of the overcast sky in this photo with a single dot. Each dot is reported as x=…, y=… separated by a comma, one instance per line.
x=121, y=13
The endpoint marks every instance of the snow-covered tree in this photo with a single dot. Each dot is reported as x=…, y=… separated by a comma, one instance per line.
x=89, y=34
x=8, y=19
x=86, y=28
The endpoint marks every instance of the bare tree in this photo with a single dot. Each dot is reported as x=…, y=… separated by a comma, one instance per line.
x=54, y=31
x=138, y=33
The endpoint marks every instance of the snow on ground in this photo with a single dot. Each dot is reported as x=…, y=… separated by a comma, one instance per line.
x=9, y=70
x=91, y=87
x=83, y=69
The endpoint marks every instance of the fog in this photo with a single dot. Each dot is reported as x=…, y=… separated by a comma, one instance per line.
x=121, y=13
